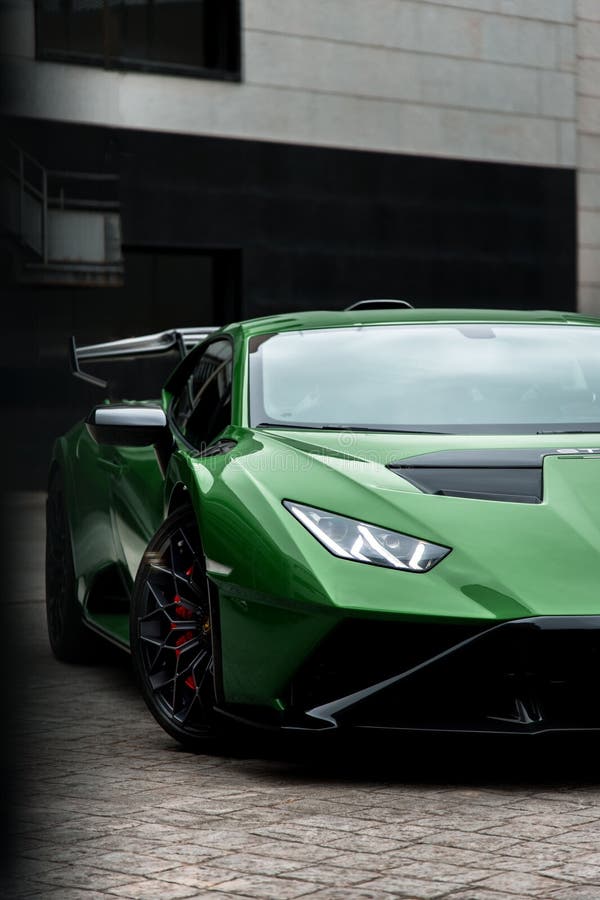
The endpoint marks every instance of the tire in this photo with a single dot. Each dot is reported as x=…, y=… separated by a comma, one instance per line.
x=69, y=638
x=170, y=629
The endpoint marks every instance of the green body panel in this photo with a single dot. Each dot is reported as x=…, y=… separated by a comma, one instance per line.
x=114, y=624
x=115, y=498
x=284, y=591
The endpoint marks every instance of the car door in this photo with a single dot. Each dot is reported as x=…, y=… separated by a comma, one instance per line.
x=136, y=503
x=201, y=410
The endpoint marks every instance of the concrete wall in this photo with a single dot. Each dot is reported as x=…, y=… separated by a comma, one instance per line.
x=588, y=176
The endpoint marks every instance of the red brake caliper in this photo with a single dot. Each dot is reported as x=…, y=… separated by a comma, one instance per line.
x=184, y=612
x=183, y=639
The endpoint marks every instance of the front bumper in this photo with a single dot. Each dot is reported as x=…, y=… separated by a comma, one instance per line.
x=527, y=676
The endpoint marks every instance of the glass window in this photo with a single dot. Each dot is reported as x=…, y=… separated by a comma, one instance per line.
x=203, y=408
x=131, y=27
x=86, y=27
x=181, y=31
x=53, y=25
x=442, y=378
x=199, y=37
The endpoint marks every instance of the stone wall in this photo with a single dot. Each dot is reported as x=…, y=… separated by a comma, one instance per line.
x=588, y=176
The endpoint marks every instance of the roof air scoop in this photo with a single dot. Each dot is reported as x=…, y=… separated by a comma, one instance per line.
x=379, y=304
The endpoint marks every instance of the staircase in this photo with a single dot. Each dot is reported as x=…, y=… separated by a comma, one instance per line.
x=67, y=225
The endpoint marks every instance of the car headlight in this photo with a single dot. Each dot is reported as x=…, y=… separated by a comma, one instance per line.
x=360, y=541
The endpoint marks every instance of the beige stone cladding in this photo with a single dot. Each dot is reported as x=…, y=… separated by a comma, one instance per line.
x=588, y=153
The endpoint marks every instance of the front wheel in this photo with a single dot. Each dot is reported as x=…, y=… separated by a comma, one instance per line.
x=171, y=638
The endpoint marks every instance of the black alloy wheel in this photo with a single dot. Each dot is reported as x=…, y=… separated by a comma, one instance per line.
x=171, y=635
x=70, y=639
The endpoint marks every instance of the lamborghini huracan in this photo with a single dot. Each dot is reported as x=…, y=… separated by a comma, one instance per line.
x=378, y=518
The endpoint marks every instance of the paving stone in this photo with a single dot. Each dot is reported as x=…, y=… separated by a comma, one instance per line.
x=15, y=889
x=303, y=851
x=359, y=893
x=357, y=859
x=254, y=817
x=334, y=823
x=65, y=893
x=471, y=841
x=520, y=883
x=296, y=832
x=225, y=839
x=410, y=887
x=578, y=836
x=189, y=853
x=268, y=888
x=326, y=873
x=258, y=864
x=198, y=876
x=82, y=876
x=580, y=892
x=592, y=859
x=55, y=852
x=538, y=851
x=34, y=868
x=477, y=893
x=576, y=871
x=518, y=864
x=153, y=890
x=365, y=844
x=440, y=871
x=437, y=853
x=528, y=831
x=133, y=863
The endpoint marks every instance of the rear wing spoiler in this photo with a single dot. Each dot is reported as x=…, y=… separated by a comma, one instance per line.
x=180, y=339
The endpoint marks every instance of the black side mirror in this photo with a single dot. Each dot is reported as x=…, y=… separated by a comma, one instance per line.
x=126, y=425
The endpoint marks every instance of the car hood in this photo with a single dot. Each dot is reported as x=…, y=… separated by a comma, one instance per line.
x=510, y=557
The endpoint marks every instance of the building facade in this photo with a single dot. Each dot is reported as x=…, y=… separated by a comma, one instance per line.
x=269, y=155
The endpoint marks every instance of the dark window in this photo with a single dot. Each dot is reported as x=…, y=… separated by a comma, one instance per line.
x=189, y=37
x=203, y=408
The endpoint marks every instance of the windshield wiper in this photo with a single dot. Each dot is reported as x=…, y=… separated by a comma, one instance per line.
x=594, y=430
x=347, y=428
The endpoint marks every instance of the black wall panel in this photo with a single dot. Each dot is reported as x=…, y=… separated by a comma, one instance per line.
x=321, y=226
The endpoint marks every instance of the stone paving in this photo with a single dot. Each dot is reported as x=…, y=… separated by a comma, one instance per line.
x=107, y=805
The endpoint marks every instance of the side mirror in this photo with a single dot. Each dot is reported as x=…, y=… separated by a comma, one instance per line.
x=125, y=425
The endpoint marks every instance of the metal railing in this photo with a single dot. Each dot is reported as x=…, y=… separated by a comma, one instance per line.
x=41, y=190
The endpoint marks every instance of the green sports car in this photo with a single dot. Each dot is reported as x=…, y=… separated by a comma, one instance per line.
x=380, y=518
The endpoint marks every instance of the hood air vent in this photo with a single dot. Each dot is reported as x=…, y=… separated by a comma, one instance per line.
x=511, y=476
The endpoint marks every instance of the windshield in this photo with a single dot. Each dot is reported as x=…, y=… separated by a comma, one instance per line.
x=456, y=378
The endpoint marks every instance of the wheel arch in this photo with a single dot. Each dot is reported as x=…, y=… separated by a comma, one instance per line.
x=59, y=465
x=181, y=489
x=57, y=460
x=178, y=497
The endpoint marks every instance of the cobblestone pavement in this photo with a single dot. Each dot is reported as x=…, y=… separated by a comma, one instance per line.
x=109, y=806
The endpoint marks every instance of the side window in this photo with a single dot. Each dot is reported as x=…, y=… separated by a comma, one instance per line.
x=187, y=37
x=203, y=408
